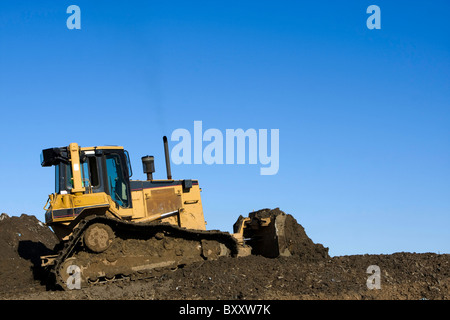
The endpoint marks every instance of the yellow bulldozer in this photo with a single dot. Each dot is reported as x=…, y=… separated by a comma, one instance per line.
x=111, y=227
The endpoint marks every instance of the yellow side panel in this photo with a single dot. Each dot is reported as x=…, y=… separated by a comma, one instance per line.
x=161, y=200
x=152, y=201
x=91, y=199
x=69, y=201
x=192, y=217
x=62, y=201
x=138, y=204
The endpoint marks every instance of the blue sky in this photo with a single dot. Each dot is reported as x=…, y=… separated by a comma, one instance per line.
x=363, y=115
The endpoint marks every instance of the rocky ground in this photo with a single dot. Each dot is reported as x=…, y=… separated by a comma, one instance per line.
x=308, y=274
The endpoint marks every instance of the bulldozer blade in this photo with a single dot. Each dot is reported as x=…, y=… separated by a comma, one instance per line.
x=264, y=234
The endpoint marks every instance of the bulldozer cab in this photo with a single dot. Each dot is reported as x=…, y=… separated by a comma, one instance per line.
x=88, y=181
x=99, y=169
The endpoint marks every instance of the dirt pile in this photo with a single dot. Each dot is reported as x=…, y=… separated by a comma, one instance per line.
x=403, y=276
x=294, y=239
x=22, y=241
x=308, y=273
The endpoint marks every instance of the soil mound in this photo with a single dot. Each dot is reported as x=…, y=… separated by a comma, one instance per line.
x=293, y=237
x=22, y=241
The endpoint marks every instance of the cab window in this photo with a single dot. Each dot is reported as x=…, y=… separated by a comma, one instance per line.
x=63, y=178
x=89, y=173
x=118, y=188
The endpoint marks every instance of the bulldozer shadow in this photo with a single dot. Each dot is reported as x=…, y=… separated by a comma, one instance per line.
x=32, y=251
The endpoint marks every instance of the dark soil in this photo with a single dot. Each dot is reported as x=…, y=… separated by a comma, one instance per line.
x=22, y=241
x=309, y=273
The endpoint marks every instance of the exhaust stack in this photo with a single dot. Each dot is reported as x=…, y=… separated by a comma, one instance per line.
x=166, y=152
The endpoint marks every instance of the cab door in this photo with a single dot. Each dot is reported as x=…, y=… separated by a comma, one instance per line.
x=117, y=177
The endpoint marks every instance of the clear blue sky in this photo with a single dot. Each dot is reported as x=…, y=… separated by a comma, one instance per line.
x=363, y=115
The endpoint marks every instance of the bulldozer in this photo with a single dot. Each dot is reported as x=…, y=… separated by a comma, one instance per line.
x=112, y=228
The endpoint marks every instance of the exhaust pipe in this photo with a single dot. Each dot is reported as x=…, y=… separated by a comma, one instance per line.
x=166, y=152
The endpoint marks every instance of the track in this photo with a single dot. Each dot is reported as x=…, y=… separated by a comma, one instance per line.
x=137, y=251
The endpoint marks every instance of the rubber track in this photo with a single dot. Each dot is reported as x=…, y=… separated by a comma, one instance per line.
x=70, y=246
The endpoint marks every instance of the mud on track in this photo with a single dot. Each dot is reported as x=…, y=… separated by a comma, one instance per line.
x=308, y=274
